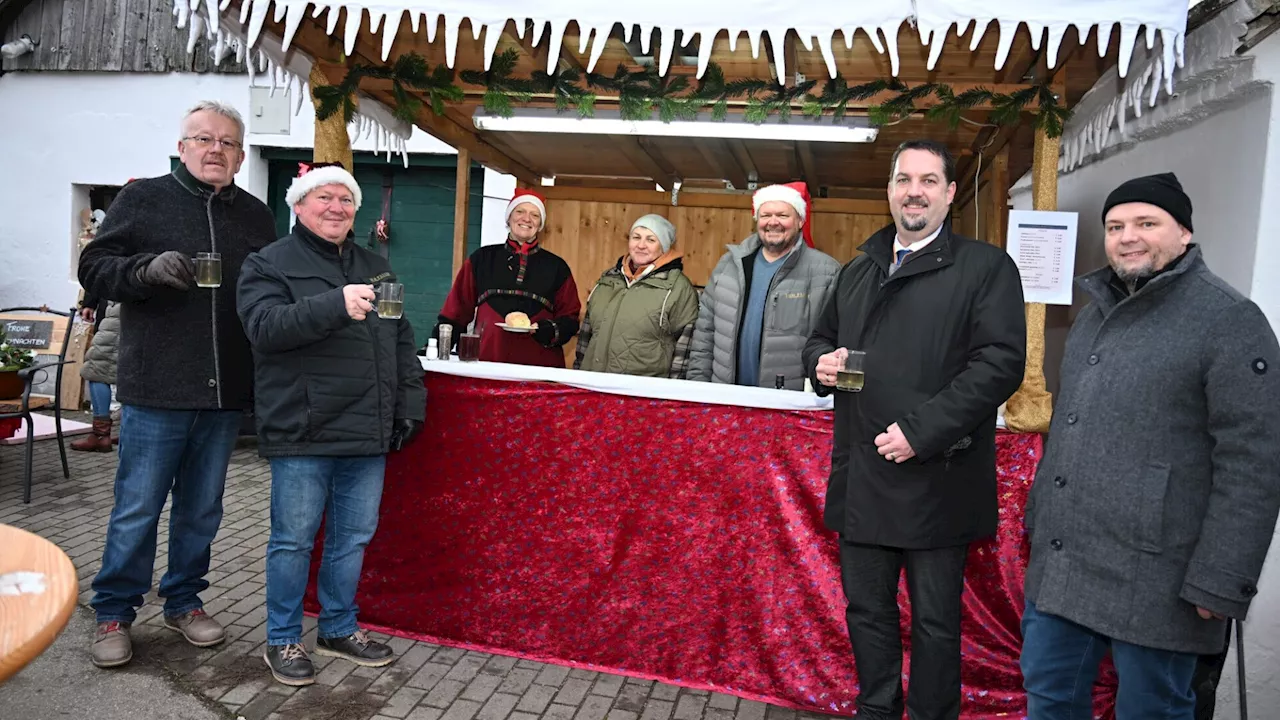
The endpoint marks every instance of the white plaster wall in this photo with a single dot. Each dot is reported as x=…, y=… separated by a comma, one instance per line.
x=64, y=129
x=1228, y=163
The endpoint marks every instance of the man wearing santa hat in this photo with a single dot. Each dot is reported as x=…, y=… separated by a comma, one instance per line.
x=763, y=298
x=338, y=387
x=519, y=276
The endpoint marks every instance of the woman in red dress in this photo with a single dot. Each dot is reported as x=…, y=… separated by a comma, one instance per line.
x=517, y=276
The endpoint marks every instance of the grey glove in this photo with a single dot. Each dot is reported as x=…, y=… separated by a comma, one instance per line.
x=169, y=269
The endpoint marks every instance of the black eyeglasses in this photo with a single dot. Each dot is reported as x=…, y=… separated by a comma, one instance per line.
x=204, y=141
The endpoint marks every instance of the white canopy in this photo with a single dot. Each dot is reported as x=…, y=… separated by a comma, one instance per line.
x=812, y=21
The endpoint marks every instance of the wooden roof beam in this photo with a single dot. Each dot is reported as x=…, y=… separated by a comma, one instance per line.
x=655, y=153
x=739, y=150
x=711, y=156
x=645, y=163
x=808, y=167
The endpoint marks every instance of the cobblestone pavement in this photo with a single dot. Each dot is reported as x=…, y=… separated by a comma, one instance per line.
x=426, y=682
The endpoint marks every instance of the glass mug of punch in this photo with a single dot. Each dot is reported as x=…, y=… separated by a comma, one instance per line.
x=390, y=300
x=850, y=376
x=208, y=269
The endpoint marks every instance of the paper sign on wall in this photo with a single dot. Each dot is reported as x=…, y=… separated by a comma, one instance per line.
x=1043, y=244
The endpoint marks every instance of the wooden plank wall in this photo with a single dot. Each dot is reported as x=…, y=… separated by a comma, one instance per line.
x=588, y=227
x=108, y=35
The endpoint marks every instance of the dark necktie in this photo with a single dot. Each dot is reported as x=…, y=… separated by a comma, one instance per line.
x=897, y=262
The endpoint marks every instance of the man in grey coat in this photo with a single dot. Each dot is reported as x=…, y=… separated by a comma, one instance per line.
x=1157, y=496
x=764, y=298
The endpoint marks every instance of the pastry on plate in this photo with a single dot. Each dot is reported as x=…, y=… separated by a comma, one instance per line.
x=518, y=320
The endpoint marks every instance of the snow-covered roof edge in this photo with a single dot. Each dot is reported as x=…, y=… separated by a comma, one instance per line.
x=288, y=69
x=1212, y=70
x=934, y=19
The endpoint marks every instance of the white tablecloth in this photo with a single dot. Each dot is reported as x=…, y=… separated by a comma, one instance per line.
x=657, y=388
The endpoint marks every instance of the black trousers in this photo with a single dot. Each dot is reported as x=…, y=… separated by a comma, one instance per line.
x=935, y=581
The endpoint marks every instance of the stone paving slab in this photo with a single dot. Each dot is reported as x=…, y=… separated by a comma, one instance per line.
x=427, y=682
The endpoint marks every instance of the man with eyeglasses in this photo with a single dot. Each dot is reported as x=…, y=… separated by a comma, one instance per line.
x=184, y=372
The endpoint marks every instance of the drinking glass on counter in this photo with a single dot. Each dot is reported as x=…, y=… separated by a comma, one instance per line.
x=209, y=269
x=469, y=344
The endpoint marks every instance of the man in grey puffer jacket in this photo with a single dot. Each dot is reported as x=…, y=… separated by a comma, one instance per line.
x=764, y=298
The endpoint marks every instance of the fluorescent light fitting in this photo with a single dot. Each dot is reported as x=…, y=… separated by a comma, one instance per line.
x=538, y=120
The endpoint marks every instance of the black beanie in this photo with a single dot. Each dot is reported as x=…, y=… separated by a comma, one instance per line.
x=1163, y=190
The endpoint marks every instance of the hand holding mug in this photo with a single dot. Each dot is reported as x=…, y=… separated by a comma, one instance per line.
x=359, y=300
x=829, y=365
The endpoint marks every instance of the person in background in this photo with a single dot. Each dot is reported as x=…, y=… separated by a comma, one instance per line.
x=913, y=461
x=763, y=298
x=338, y=387
x=519, y=276
x=640, y=307
x=184, y=373
x=1156, y=500
x=99, y=370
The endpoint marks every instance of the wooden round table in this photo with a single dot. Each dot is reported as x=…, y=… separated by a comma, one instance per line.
x=38, y=589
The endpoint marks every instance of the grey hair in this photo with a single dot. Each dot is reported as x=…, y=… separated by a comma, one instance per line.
x=213, y=106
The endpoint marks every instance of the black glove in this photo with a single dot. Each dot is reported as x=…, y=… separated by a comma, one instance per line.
x=170, y=269
x=545, y=333
x=402, y=431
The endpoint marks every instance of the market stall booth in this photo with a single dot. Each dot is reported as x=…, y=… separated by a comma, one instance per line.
x=657, y=527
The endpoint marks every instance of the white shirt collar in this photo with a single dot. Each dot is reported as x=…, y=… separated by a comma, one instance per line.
x=915, y=246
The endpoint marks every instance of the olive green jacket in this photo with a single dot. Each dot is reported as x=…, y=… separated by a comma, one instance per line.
x=634, y=330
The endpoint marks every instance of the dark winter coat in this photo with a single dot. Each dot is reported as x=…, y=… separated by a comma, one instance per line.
x=327, y=384
x=945, y=339
x=1160, y=483
x=633, y=330
x=182, y=350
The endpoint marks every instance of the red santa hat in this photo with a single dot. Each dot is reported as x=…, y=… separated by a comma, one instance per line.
x=523, y=196
x=795, y=194
x=312, y=176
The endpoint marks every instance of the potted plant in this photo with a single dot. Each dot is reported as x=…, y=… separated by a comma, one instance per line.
x=12, y=359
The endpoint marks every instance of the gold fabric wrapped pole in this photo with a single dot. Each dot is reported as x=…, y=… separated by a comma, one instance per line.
x=332, y=143
x=1031, y=406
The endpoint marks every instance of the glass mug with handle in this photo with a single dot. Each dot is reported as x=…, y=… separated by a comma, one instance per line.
x=390, y=300
x=851, y=374
x=208, y=269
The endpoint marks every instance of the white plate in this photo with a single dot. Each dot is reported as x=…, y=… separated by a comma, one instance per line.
x=513, y=329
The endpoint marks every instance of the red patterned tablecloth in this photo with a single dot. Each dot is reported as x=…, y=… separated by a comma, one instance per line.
x=653, y=538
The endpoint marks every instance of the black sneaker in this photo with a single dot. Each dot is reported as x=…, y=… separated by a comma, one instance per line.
x=357, y=648
x=290, y=665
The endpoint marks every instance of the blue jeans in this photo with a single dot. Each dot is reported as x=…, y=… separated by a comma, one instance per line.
x=183, y=451
x=346, y=492
x=100, y=399
x=1060, y=662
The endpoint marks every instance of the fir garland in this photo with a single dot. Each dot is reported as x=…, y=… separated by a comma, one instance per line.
x=642, y=92
x=408, y=71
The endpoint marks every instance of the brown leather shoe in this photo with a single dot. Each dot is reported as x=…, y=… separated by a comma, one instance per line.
x=97, y=441
x=197, y=627
x=112, y=646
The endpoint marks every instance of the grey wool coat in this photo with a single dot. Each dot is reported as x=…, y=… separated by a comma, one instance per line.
x=797, y=295
x=1160, y=484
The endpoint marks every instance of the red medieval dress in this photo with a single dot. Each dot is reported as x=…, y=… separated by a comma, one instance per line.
x=501, y=279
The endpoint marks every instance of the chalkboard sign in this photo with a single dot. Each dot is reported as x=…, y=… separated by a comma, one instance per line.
x=29, y=334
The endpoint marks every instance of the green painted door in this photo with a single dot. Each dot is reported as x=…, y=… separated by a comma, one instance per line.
x=420, y=212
